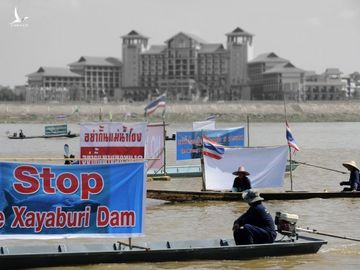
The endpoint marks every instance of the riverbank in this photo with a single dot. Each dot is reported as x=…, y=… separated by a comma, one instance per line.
x=257, y=111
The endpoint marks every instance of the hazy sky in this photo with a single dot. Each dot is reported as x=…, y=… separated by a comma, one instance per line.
x=312, y=34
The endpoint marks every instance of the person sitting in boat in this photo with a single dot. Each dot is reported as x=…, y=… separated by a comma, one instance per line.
x=256, y=226
x=21, y=134
x=241, y=181
x=71, y=160
x=354, y=180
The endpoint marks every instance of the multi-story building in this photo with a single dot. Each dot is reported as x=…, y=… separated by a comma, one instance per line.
x=90, y=78
x=54, y=77
x=186, y=67
x=53, y=83
x=273, y=77
x=326, y=86
x=257, y=67
x=101, y=77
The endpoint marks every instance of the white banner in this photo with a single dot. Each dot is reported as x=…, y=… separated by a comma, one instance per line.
x=108, y=142
x=266, y=166
x=154, y=146
x=204, y=125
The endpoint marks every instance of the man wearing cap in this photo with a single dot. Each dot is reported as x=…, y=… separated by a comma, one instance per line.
x=354, y=180
x=256, y=226
x=241, y=181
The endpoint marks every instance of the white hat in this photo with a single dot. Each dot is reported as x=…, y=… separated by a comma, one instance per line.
x=241, y=170
x=251, y=196
x=350, y=165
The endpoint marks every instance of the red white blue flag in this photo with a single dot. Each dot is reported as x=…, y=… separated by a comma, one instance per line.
x=160, y=101
x=212, y=149
x=290, y=138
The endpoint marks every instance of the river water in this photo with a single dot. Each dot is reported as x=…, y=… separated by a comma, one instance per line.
x=321, y=144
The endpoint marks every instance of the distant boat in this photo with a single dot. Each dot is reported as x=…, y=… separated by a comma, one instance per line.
x=71, y=135
x=51, y=131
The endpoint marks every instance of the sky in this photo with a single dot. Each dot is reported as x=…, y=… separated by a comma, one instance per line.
x=312, y=34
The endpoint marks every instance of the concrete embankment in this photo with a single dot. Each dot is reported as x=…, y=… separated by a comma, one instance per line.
x=257, y=111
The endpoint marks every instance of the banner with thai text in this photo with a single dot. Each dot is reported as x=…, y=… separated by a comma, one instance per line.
x=112, y=142
x=81, y=200
x=154, y=146
x=189, y=143
x=266, y=166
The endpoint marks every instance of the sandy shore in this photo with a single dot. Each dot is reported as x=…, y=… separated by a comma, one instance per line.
x=266, y=111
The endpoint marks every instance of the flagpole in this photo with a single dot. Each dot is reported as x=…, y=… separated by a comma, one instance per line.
x=164, y=132
x=202, y=163
x=248, y=130
x=290, y=156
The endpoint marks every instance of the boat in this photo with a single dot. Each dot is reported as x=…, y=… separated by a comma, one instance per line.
x=30, y=256
x=71, y=135
x=184, y=196
x=184, y=171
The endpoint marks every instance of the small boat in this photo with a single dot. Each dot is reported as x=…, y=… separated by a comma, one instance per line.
x=30, y=256
x=71, y=135
x=183, y=196
x=183, y=171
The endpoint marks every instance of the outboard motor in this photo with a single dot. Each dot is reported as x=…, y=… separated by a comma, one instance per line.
x=286, y=224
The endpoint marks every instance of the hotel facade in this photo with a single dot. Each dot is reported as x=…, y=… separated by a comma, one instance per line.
x=188, y=69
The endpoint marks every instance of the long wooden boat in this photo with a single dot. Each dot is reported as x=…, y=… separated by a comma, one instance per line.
x=12, y=257
x=183, y=196
x=184, y=171
x=72, y=135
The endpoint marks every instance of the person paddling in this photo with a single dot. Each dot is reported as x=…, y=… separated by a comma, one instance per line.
x=354, y=180
x=256, y=225
x=241, y=181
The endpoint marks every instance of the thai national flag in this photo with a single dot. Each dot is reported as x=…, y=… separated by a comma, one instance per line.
x=212, y=149
x=290, y=138
x=211, y=118
x=160, y=101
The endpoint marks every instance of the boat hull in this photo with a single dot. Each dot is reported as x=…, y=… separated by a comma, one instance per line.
x=63, y=255
x=183, y=196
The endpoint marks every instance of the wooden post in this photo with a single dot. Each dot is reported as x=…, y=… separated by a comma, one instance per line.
x=164, y=132
x=202, y=164
x=248, y=130
x=291, y=179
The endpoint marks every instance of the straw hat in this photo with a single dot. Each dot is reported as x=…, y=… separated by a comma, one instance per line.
x=251, y=196
x=350, y=165
x=241, y=170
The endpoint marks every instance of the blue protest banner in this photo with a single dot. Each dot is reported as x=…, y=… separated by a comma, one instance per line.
x=189, y=143
x=45, y=199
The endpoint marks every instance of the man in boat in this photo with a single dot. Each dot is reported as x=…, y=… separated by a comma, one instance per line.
x=21, y=134
x=241, y=181
x=256, y=226
x=354, y=180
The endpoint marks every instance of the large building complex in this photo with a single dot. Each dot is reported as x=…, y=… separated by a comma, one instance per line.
x=187, y=68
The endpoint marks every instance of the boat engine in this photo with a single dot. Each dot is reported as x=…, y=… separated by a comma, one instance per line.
x=286, y=224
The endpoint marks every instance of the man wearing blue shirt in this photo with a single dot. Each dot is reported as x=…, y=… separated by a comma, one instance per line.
x=256, y=226
x=354, y=180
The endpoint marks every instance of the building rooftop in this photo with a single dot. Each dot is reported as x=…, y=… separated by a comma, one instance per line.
x=134, y=34
x=211, y=48
x=191, y=36
x=268, y=57
x=54, y=72
x=155, y=49
x=96, y=61
x=238, y=32
x=284, y=68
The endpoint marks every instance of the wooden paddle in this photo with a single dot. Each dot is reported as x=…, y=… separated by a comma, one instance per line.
x=317, y=166
x=326, y=234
